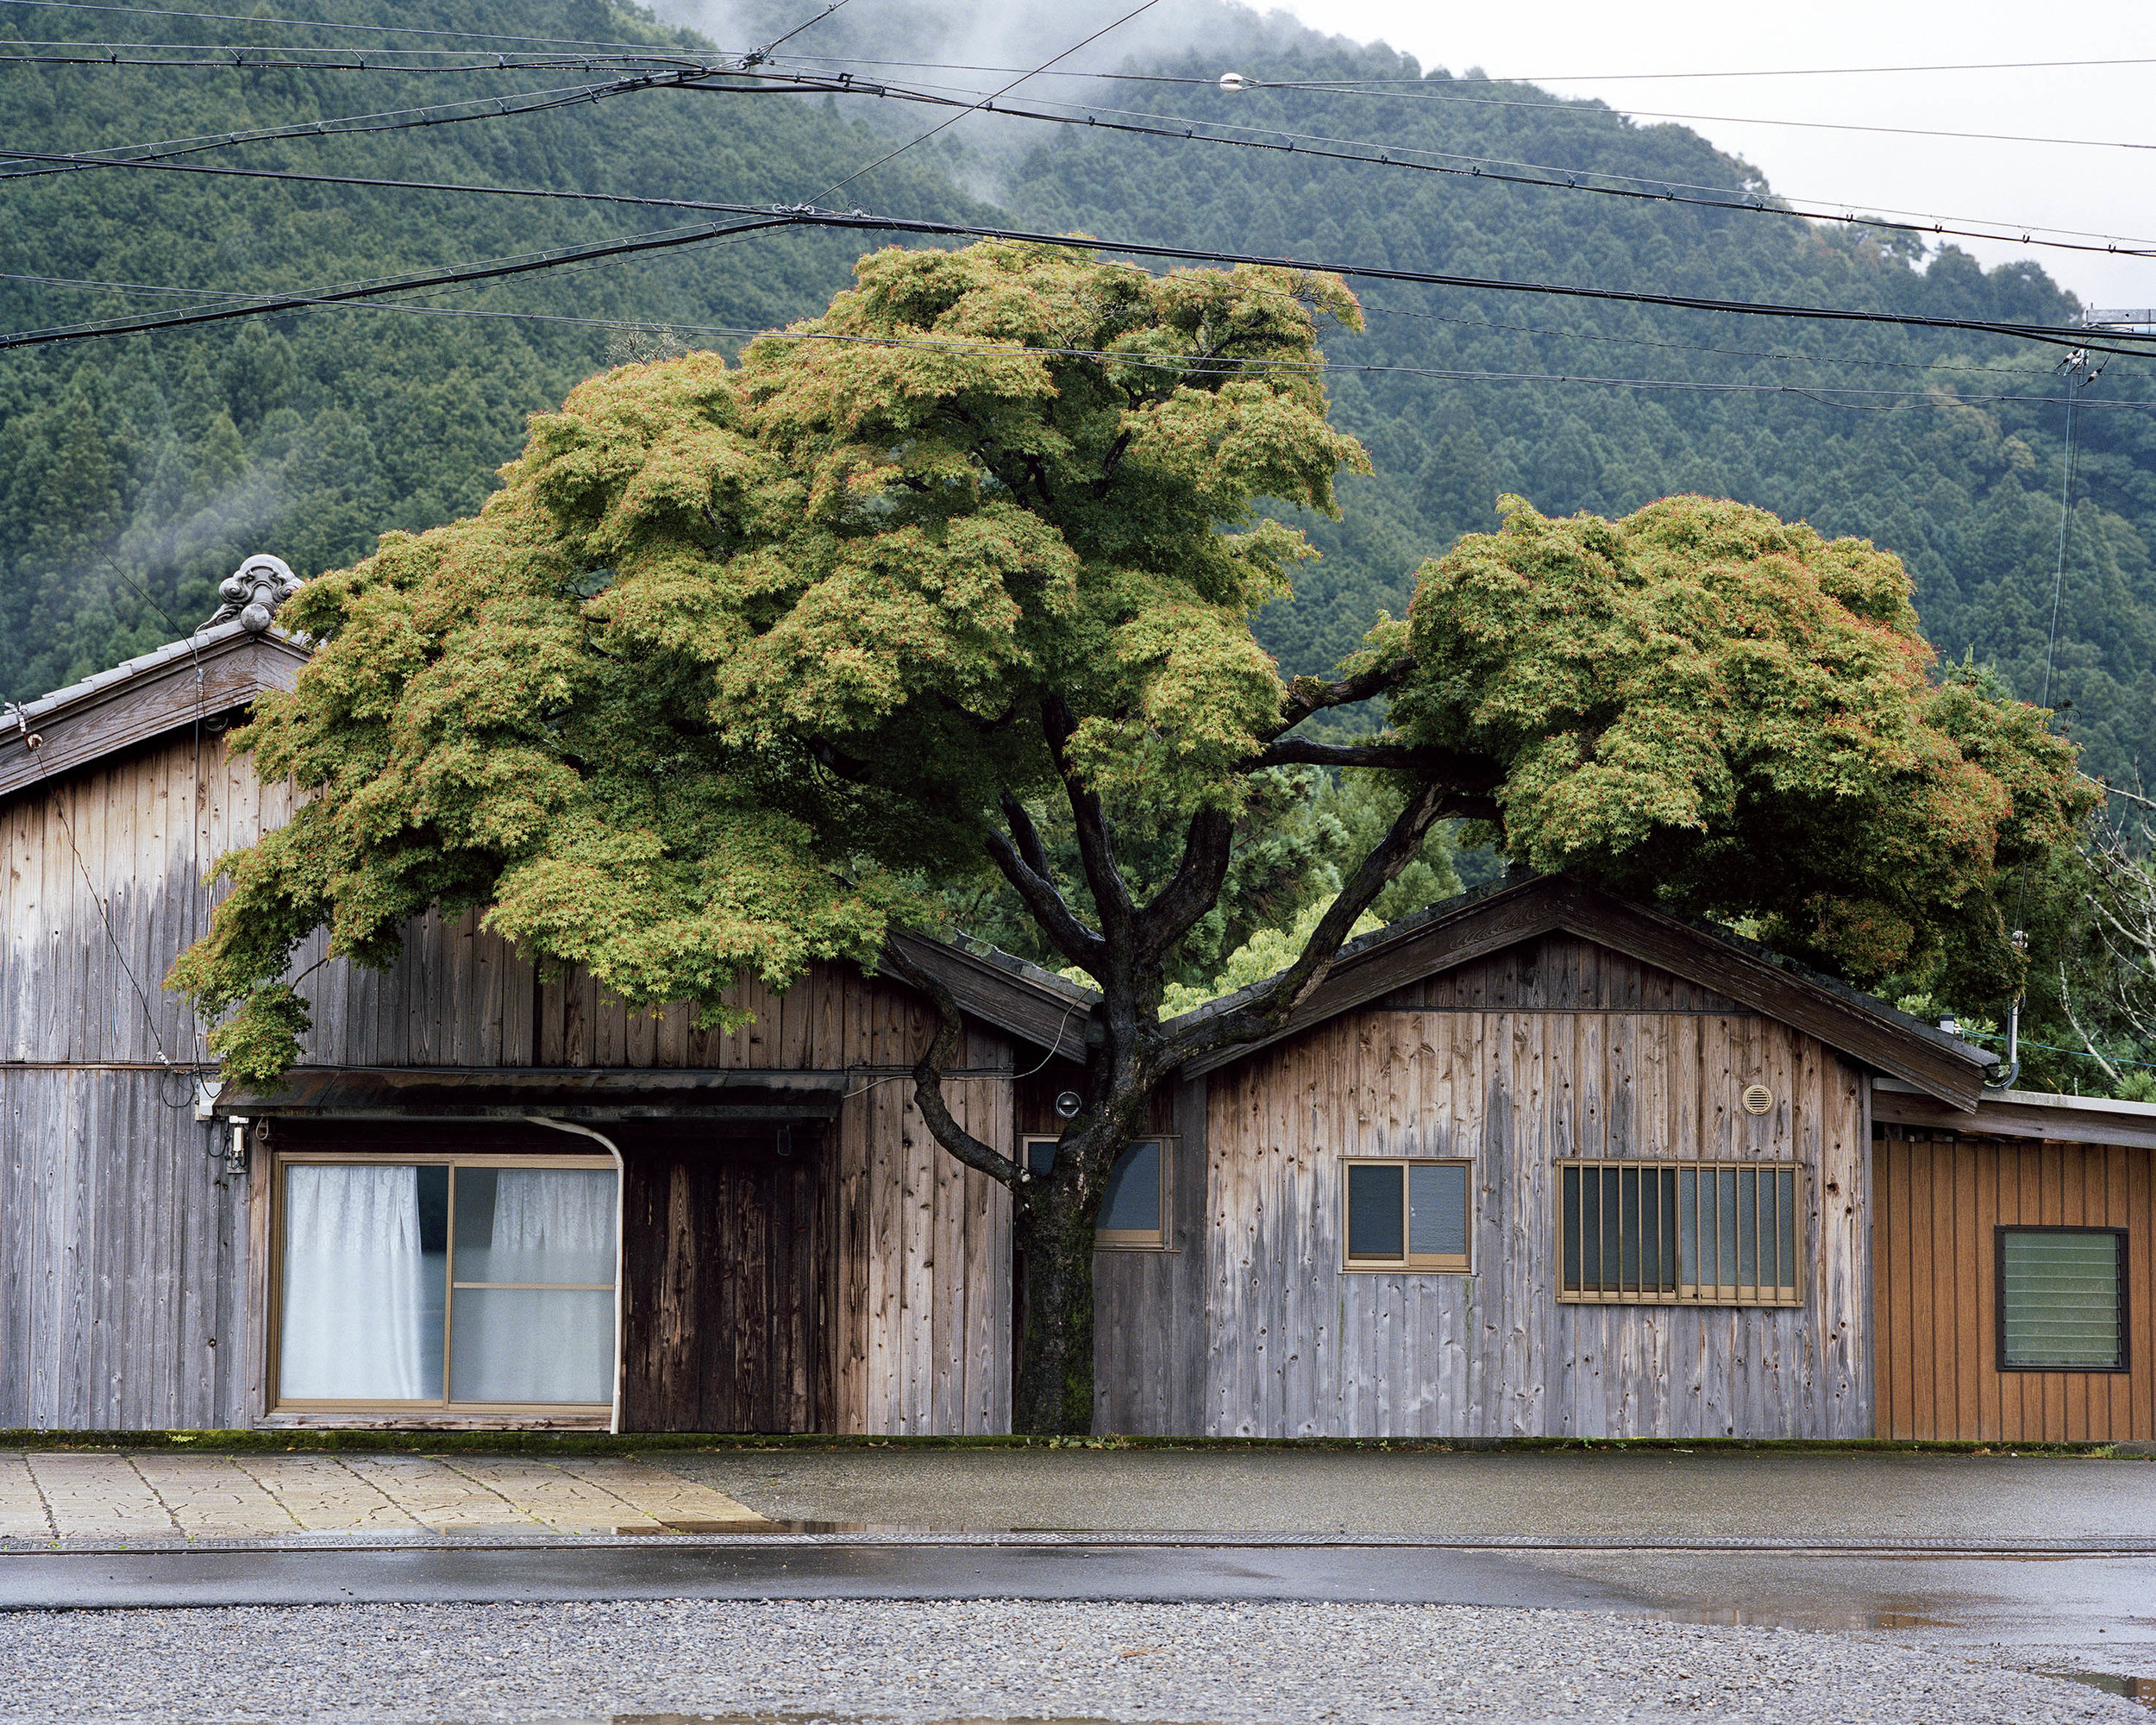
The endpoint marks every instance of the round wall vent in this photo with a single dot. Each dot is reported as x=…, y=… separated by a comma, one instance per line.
x=1758, y=1098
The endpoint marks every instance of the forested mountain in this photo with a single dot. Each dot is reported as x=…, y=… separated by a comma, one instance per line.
x=157, y=462
x=160, y=461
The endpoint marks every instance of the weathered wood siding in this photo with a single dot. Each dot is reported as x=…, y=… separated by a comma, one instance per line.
x=1940, y=1198
x=1561, y=1049
x=123, y=1243
x=124, y=1250
x=726, y=1292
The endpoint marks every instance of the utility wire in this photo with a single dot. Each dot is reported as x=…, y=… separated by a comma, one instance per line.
x=941, y=125
x=1540, y=175
x=1637, y=188
x=2113, y=341
x=54, y=162
x=1829, y=395
x=392, y=120
x=2065, y=515
x=1599, y=111
x=757, y=56
x=1783, y=72
x=318, y=24
x=225, y=296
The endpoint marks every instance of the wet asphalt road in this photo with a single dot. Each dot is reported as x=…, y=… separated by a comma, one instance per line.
x=2085, y=1613
x=2049, y=1562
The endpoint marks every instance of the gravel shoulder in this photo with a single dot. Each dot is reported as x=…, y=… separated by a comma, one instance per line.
x=1242, y=1665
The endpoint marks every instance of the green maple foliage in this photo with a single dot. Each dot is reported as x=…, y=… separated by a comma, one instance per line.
x=1703, y=706
x=746, y=664
x=737, y=652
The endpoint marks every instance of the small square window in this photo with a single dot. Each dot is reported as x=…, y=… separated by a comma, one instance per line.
x=1134, y=1213
x=2062, y=1298
x=1406, y=1214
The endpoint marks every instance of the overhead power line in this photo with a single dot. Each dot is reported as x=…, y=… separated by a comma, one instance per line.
x=1789, y=72
x=391, y=120
x=1370, y=154
x=318, y=24
x=225, y=296
x=1828, y=395
x=861, y=221
x=279, y=57
x=988, y=100
x=220, y=56
x=1542, y=175
x=1626, y=111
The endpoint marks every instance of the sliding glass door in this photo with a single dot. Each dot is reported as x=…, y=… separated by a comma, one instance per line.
x=478, y=1283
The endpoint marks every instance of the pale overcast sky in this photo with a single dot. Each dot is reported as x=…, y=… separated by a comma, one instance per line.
x=2111, y=192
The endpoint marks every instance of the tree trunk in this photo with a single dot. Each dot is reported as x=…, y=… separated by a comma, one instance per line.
x=1054, y=1395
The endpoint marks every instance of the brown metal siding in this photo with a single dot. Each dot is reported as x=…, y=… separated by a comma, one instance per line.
x=1940, y=1201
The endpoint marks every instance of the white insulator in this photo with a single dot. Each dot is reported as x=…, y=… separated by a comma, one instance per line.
x=1232, y=81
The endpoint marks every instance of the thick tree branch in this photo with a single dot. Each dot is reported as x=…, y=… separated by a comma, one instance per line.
x=1208, y=847
x=1027, y=836
x=1080, y=944
x=1024, y=861
x=1307, y=695
x=1273, y=1003
x=1469, y=773
x=1096, y=845
x=927, y=1074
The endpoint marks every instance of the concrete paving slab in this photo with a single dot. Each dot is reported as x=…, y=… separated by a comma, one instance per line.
x=21, y=1507
x=320, y=1494
x=210, y=1494
x=165, y=1495
x=666, y=1498
x=98, y=1496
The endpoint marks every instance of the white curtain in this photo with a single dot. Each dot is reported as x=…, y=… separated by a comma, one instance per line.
x=538, y=1343
x=354, y=1285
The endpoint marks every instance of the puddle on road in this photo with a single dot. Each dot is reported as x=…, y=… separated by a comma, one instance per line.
x=2140, y=1689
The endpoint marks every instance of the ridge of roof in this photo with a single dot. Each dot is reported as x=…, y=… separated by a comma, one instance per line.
x=1563, y=894
x=220, y=666
x=1038, y=975
x=126, y=670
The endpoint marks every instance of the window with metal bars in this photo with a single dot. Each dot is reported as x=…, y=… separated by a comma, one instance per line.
x=1681, y=1233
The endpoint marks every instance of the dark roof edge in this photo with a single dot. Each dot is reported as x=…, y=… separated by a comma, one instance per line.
x=2018, y=1113
x=212, y=671
x=1857, y=1024
x=1036, y=1006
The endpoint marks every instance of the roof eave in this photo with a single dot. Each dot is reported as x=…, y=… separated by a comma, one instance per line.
x=211, y=671
x=1462, y=930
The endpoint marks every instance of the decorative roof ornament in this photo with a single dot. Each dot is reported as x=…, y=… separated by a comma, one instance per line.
x=252, y=592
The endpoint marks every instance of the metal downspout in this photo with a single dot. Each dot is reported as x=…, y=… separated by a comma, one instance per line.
x=621, y=1212
x=2013, y=1067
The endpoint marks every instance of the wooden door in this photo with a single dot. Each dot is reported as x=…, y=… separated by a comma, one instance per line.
x=725, y=1282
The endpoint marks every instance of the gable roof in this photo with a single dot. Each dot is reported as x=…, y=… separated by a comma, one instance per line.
x=1507, y=912
x=1036, y=1006
x=215, y=669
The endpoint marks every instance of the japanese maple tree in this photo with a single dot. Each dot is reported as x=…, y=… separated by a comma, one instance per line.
x=745, y=661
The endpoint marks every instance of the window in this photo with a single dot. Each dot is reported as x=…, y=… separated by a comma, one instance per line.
x=2062, y=1300
x=1406, y=1215
x=455, y=1282
x=1701, y=1233
x=1134, y=1215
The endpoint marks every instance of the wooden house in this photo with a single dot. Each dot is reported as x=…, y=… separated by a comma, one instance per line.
x=1533, y=1162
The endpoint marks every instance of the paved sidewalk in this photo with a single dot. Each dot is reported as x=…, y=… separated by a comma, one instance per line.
x=73, y=1494
x=1645, y=1496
